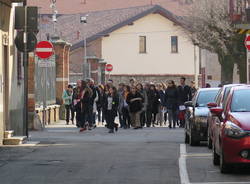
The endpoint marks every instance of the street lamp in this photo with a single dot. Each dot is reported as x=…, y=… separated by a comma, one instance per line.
x=83, y=20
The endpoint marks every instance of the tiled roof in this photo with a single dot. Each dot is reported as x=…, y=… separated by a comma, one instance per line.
x=78, y=6
x=99, y=23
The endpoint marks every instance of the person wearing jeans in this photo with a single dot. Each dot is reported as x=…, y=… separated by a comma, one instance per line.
x=67, y=100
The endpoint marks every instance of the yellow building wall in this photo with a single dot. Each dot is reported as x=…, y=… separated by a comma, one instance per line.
x=121, y=48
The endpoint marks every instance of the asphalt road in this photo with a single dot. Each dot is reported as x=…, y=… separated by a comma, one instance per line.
x=201, y=170
x=148, y=156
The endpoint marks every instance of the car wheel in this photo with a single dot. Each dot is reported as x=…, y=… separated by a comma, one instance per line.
x=186, y=138
x=192, y=140
x=224, y=167
x=216, y=157
x=209, y=142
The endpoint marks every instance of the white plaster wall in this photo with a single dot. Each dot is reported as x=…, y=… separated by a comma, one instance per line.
x=121, y=48
x=16, y=91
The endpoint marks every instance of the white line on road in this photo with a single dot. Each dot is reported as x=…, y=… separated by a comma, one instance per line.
x=223, y=183
x=183, y=165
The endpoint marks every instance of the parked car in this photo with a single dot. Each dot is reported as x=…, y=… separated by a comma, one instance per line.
x=219, y=102
x=231, y=142
x=196, y=115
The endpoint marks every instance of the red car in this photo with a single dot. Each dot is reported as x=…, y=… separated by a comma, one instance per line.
x=231, y=142
x=219, y=102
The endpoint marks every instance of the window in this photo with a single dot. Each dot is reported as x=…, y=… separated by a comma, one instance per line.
x=209, y=77
x=240, y=101
x=206, y=97
x=174, y=44
x=142, y=44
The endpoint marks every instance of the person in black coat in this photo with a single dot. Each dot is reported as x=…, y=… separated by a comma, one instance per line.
x=184, y=95
x=149, y=106
x=100, y=104
x=135, y=103
x=155, y=102
x=171, y=101
x=111, y=103
x=86, y=109
x=77, y=93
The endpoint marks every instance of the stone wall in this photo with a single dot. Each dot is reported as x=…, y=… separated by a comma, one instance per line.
x=150, y=78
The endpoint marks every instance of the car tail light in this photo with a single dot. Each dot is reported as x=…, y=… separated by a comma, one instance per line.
x=234, y=131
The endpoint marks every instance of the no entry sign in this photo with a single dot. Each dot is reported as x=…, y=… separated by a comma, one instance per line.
x=247, y=42
x=44, y=49
x=109, y=68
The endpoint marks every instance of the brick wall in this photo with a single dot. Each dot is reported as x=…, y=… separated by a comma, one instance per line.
x=62, y=68
x=76, y=58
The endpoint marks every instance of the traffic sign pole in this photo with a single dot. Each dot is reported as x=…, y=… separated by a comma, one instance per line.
x=44, y=50
x=25, y=63
x=109, y=69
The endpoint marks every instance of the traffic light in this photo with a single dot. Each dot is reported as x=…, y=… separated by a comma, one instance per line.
x=32, y=18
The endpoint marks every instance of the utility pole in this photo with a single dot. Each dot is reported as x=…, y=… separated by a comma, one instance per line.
x=25, y=63
x=83, y=19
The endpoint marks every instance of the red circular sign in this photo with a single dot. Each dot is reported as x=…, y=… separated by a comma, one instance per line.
x=109, y=68
x=247, y=43
x=44, y=49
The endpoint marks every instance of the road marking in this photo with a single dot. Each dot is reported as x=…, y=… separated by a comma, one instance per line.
x=62, y=131
x=223, y=183
x=198, y=155
x=183, y=165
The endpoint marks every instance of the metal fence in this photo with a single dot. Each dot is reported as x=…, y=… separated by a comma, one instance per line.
x=45, y=81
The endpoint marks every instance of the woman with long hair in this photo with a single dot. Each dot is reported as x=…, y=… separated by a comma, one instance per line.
x=125, y=107
x=100, y=104
x=111, y=102
x=135, y=102
x=160, y=115
x=86, y=110
x=155, y=102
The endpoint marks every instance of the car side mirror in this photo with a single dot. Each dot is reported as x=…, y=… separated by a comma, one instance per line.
x=189, y=104
x=211, y=105
x=216, y=111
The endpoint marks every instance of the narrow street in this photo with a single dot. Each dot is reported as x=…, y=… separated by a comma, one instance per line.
x=148, y=156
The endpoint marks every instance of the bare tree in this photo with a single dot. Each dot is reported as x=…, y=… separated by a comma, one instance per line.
x=211, y=28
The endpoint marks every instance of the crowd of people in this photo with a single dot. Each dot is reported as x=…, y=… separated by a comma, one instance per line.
x=136, y=105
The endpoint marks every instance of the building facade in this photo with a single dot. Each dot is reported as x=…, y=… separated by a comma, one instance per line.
x=152, y=46
x=11, y=70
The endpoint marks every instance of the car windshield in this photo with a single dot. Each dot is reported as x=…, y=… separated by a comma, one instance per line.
x=240, y=101
x=205, y=97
